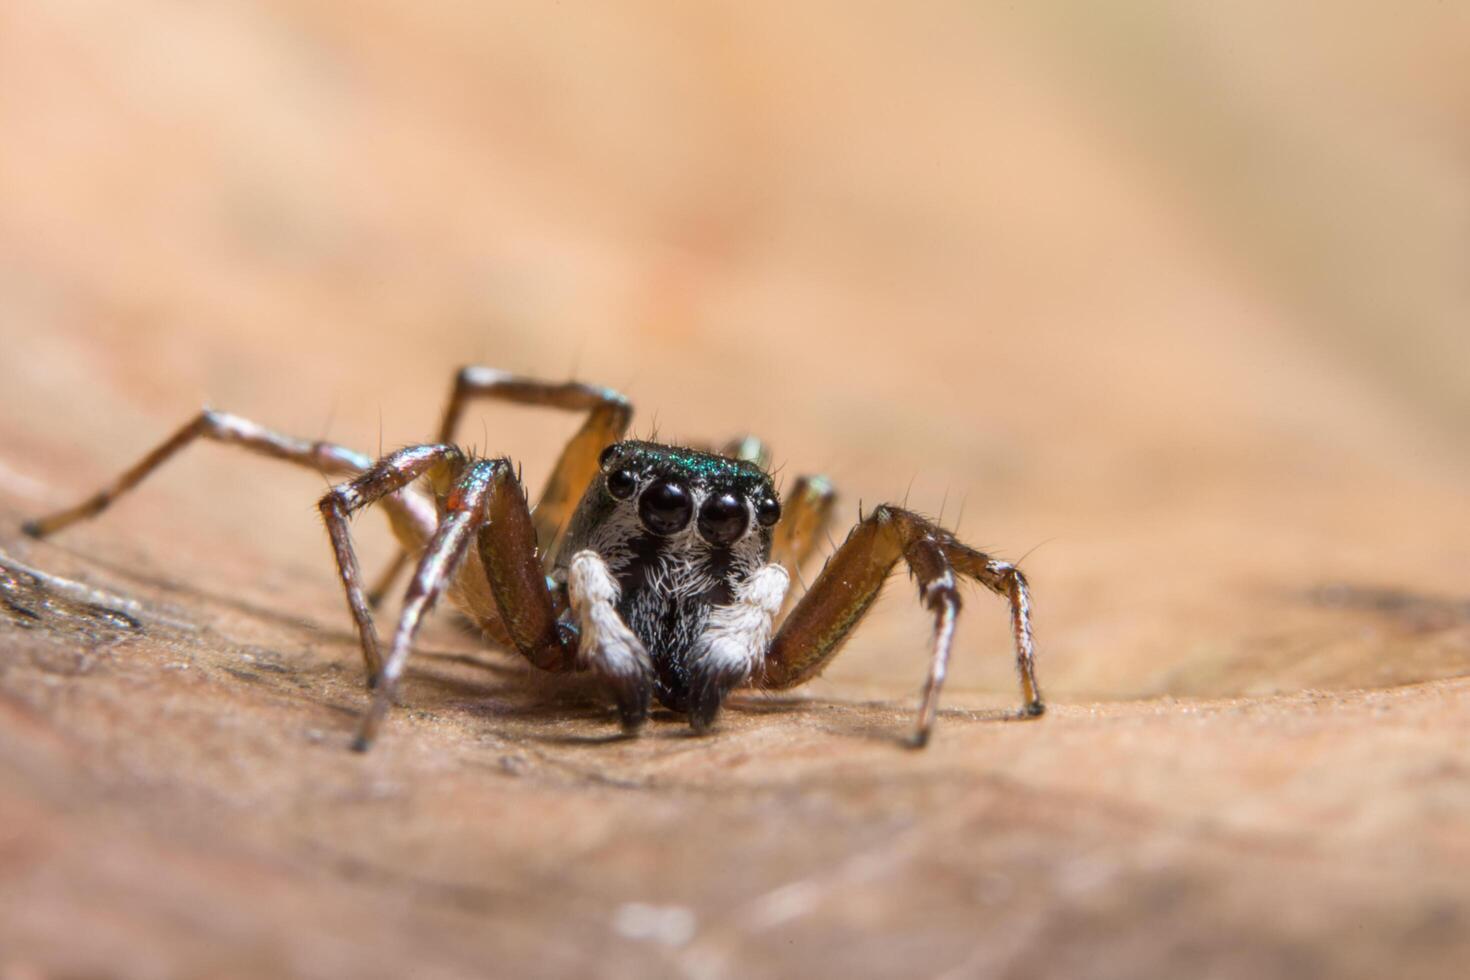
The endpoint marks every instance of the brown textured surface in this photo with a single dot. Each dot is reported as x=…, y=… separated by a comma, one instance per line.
x=1179, y=299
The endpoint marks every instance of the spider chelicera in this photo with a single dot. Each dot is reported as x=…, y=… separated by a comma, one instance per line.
x=661, y=569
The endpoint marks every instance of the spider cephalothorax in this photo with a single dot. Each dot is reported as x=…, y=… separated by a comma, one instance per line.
x=661, y=569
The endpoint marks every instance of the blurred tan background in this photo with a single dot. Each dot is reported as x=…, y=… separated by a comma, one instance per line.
x=1175, y=295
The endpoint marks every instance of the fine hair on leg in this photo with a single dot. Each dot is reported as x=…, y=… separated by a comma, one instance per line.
x=463, y=513
x=412, y=517
x=608, y=415
x=481, y=502
x=380, y=482
x=324, y=457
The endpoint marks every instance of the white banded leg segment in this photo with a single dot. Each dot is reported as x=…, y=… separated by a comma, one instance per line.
x=942, y=598
x=1019, y=594
x=734, y=642
x=607, y=646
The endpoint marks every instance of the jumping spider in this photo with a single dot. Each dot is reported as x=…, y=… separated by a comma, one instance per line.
x=663, y=570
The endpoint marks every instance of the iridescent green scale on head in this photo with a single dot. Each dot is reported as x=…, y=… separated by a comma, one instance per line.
x=699, y=468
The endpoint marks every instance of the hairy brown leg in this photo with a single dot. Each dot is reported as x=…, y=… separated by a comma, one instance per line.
x=482, y=501
x=379, y=483
x=412, y=517
x=507, y=552
x=463, y=512
x=325, y=457
x=608, y=415
x=806, y=515
x=824, y=618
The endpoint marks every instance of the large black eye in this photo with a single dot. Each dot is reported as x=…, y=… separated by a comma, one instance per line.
x=622, y=483
x=665, y=507
x=768, y=511
x=722, y=518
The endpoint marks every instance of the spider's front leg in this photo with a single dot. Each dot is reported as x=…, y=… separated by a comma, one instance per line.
x=824, y=618
x=479, y=500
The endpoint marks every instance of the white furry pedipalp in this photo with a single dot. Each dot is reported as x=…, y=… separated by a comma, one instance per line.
x=735, y=640
x=607, y=645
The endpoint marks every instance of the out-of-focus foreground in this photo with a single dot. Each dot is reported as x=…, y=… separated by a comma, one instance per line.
x=1176, y=298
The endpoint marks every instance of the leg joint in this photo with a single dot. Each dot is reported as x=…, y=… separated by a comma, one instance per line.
x=220, y=426
x=940, y=592
x=1006, y=572
x=473, y=377
x=340, y=501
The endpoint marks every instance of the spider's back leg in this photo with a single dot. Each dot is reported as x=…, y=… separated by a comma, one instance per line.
x=805, y=521
x=411, y=517
x=608, y=415
x=324, y=457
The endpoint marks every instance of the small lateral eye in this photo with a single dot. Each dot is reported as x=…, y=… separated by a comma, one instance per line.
x=621, y=484
x=767, y=511
x=606, y=457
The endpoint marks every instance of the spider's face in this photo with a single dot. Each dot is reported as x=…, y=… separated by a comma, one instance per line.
x=680, y=529
x=675, y=493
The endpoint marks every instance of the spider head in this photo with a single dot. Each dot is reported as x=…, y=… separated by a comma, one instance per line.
x=678, y=494
x=681, y=530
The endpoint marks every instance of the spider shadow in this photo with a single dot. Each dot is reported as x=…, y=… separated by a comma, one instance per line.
x=547, y=704
x=579, y=740
x=664, y=726
x=518, y=695
x=881, y=721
